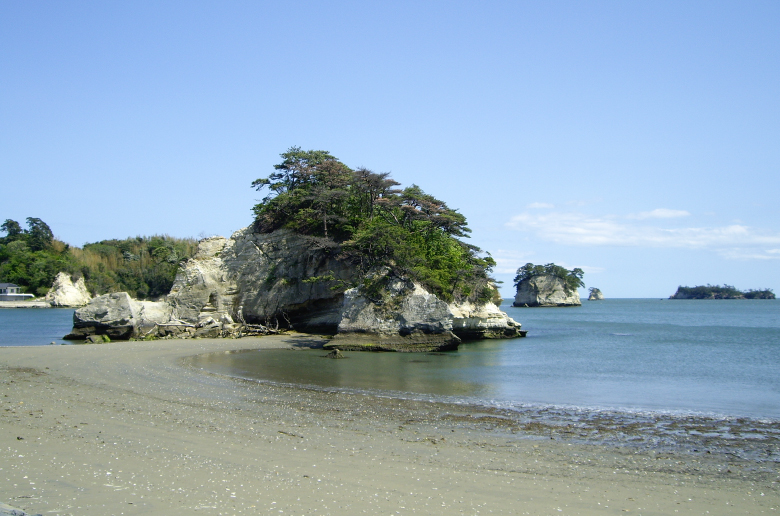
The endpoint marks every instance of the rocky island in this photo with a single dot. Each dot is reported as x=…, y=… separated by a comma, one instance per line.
x=595, y=294
x=332, y=250
x=547, y=285
x=718, y=292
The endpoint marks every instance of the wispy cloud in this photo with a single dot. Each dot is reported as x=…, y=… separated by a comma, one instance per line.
x=660, y=213
x=507, y=262
x=738, y=253
x=733, y=241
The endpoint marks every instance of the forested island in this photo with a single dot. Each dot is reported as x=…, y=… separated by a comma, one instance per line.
x=718, y=292
x=547, y=285
x=331, y=250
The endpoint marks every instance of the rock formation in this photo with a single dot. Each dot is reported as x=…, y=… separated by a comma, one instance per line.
x=118, y=316
x=255, y=283
x=595, y=294
x=65, y=293
x=545, y=290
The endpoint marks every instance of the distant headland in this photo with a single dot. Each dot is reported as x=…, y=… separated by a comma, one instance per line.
x=718, y=292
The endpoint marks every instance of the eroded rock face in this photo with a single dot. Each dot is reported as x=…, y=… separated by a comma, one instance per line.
x=483, y=322
x=65, y=293
x=406, y=316
x=265, y=281
x=279, y=278
x=409, y=318
x=118, y=316
x=545, y=291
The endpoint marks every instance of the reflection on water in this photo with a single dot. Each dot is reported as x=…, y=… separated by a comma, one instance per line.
x=698, y=357
x=431, y=373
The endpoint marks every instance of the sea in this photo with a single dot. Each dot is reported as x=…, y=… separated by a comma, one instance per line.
x=703, y=358
x=718, y=358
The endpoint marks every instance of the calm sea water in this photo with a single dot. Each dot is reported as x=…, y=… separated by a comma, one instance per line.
x=698, y=357
x=665, y=356
x=34, y=326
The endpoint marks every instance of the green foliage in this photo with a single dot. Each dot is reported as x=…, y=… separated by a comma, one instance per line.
x=145, y=267
x=31, y=258
x=318, y=279
x=12, y=228
x=759, y=294
x=377, y=225
x=724, y=292
x=39, y=234
x=572, y=279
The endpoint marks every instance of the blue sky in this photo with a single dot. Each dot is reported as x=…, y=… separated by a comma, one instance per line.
x=639, y=141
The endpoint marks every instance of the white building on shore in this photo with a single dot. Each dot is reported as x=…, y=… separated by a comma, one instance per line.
x=12, y=292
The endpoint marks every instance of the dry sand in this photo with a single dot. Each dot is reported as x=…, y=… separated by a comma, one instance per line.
x=37, y=303
x=126, y=428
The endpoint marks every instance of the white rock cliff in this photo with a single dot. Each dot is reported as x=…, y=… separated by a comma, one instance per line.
x=545, y=290
x=65, y=293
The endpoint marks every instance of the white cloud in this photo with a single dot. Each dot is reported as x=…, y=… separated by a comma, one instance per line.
x=507, y=262
x=539, y=205
x=660, y=213
x=735, y=240
x=749, y=254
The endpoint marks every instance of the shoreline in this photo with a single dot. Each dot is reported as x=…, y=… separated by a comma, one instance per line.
x=26, y=304
x=127, y=428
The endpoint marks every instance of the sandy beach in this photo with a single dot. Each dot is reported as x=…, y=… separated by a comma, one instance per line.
x=128, y=428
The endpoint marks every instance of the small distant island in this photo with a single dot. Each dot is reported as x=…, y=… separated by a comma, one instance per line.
x=595, y=294
x=547, y=285
x=718, y=292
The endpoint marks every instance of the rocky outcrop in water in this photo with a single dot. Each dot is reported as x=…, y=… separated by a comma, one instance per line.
x=118, y=316
x=545, y=291
x=595, y=294
x=718, y=292
x=260, y=283
x=65, y=293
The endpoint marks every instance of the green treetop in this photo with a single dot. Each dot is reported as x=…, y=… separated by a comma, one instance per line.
x=376, y=223
x=572, y=279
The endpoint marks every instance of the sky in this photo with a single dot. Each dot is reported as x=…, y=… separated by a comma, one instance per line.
x=639, y=141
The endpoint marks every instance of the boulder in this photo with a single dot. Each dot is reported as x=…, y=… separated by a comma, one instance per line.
x=335, y=353
x=405, y=316
x=471, y=322
x=545, y=290
x=118, y=316
x=595, y=295
x=65, y=293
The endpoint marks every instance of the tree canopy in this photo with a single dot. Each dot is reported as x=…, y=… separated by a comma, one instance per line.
x=145, y=267
x=572, y=279
x=718, y=292
x=376, y=223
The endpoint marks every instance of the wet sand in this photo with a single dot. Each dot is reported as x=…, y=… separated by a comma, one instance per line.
x=127, y=428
